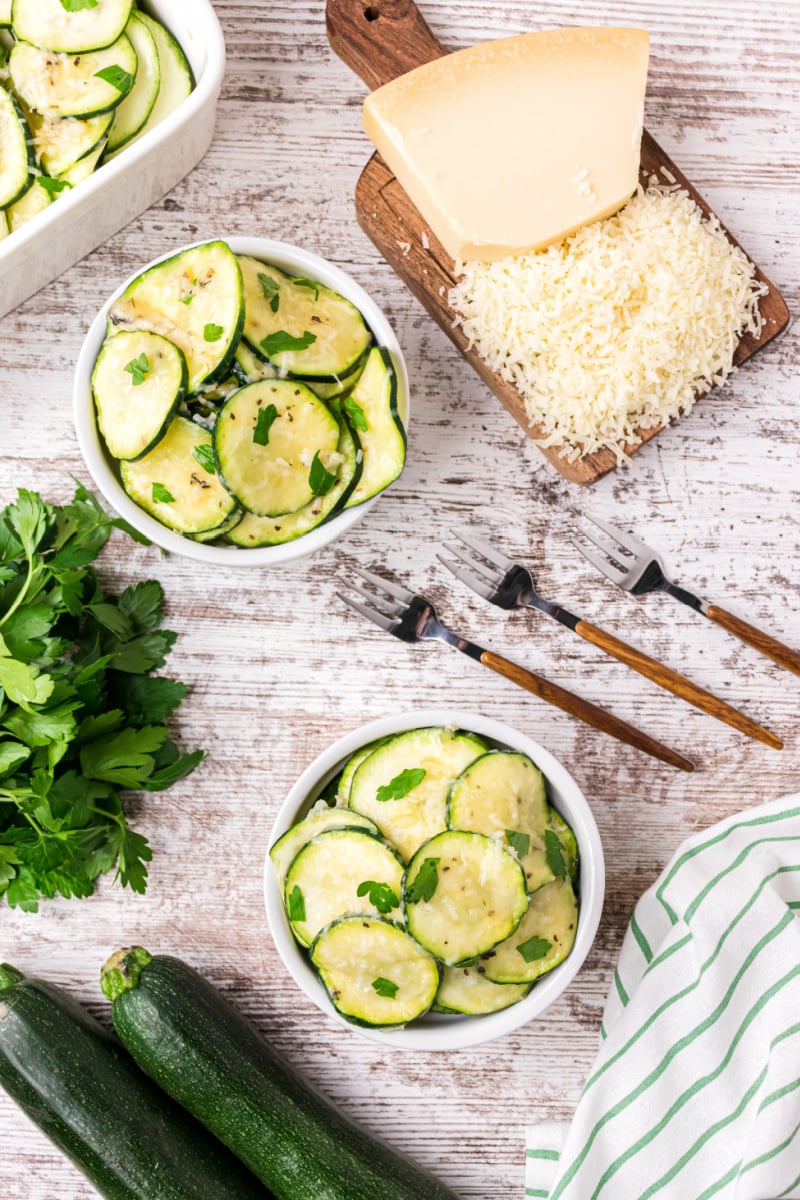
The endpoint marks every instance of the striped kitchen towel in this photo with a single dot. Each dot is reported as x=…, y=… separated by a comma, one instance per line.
x=695, y=1092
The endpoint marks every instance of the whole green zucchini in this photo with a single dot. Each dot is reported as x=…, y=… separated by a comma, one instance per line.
x=75, y=1081
x=208, y=1056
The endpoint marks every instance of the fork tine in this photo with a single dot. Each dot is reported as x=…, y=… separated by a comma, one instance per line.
x=486, y=551
x=392, y=608
x=378, y=618
x=604, y=565
x=488, y=573
x=626, y=541
x=471, y=581
x=616, y=553
x=386, y=585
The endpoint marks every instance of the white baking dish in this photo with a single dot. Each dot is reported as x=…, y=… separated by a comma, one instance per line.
x=141, y=174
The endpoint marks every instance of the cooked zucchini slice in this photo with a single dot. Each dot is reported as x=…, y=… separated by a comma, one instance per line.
x=467, y=990
x=351, y=766
x=330, y=391
x=4, y=227
x=269, y=440
x=172, y=484
x=332, y=331
x=503, y=795
x=62, y=143
x=463, y=893
x=176, y=80
x=420, y=764
x=69, y=29
x=287, y=847
x=249, y=368
x=5, y=13
x=61, y=85
x=383, y=441
x=374, y=973
x=33, y=202
x=18, y=159
x=273, y=531
x=196, y=300
x=324, y=879
x=138, y=381
x=84, y=167
x=211, y=535
x=131, y=115
x=543, y=938
x=569, y=844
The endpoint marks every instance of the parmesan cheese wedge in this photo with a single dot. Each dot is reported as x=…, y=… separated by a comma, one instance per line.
x=508, y=146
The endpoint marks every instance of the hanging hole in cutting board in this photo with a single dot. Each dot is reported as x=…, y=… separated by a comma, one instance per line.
x=372, y=13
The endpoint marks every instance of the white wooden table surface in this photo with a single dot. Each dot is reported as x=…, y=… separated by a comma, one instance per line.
x=277, y=669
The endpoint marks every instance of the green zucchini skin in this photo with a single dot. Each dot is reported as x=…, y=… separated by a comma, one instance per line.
x=209, y=1058
x=76, y=1082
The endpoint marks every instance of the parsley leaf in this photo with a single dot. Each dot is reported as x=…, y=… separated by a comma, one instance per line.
x=271, y=289
x=307, y=283
x=212, y=332
x=356, y=413
x=520, y=842
x=53, y=186
x=320, y=480
x=205, y=456
x=554, y=853
x=424, y=884
x=78, y=5
x=381, y=896
x=402, y=784
x=276, y=343
x=139, y=367
x=385, y=987
x=264, y=420
x=161, y=494
x=188, y=298
x=534, y=948
x=296, y=905
x=117, y=76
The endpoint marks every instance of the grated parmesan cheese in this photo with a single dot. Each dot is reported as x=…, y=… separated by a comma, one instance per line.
x=617, y=328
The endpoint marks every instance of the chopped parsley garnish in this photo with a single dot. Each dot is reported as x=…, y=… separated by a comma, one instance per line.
x=320, y=480
x=212, y=333
x=307, y=283
x=139, y=367
x=162, y=495
x=188, y=298
x=118, y=77
x=276, y=343
x=520, y=842
x=78, y=5
x=205, y=456
x=425, y=882
x=402, y=784
x=296, y=905
x=271, y=290
x=381, y=896
x=356, y=413
x=53, y=186
x=385, y=987
x=264, y=421
x=554, y=853
x=534, y=948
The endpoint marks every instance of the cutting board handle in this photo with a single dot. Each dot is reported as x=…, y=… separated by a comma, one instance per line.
x=380, y=40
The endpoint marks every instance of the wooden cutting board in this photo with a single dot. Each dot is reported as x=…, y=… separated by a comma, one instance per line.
x=384, y=40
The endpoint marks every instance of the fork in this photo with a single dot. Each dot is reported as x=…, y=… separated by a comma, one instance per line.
x=509, y=585
x=638, y=569
x=412, y=618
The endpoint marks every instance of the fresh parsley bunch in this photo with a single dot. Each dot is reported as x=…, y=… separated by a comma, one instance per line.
x=81, y=717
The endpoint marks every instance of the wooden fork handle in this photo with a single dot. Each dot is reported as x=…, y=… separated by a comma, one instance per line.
x=380, y=40
x=678, y=684
x=756, y=638
x=589, y=713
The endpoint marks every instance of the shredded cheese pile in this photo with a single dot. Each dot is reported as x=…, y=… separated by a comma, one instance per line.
x=617, y=328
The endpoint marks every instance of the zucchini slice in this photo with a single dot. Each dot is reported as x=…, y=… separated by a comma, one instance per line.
x=291, y=843
x=373, y=403
x=77, y=30
x=467, y=990
x=323, y=881
x=351, y=766
x=569, y=844
x=5, y=14
x=543, y=938
x=374, y=973
x=62, y=143
x=273, y=531
x=503, y=795
x=330, y=391
x=131, y=115
x=248, y=367
x=85, y=166
x=138, y=381
x=176, y=80
x=463, y=893
x=333, y=329
x=266, y=440
x=60, y=85
x=196, y=300
x=33, y=202
x=18, y=159
x=211, y=535
x=171, y=484
x=410, y=819
x=4, y=226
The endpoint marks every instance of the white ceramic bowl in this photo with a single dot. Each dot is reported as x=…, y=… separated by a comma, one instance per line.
x=141, y=174
x=438, y=1031
x=294, y=261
